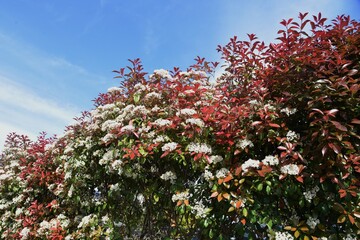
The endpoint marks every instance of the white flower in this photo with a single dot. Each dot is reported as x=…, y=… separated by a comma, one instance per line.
x=199, y=148
x=254, y=102
x=162, y=122
x=169, y=146
x=291, y=169
x=162, y=73
x=152, y=95
x=186, y=112
x=350, y=237
x=291, y=136
x=168, y=176
x=283, y=236
x=127, y=128
x=288, y=111
x=140, y=110
x=24, y=233
x=244, y=143
x=114, y=89
x=141, y=199
x=270, y=107
x=200, y=210
x=160, y=139
x=309, y=195
x=208, y=175
x=222, y=173
x=312, y=222
x=270, y=160
x=216, y=159
x=195, y=121
x=181, y=196
x=85, y=221
x=250, y=163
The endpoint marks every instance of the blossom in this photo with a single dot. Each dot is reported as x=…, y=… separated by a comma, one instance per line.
x=169, y=146
x=162, y=122
x=250, y=163
x=128, y=128
x=181, y=196
x=291, y=136
x=283, y=236
x=216, y=159
x=186, y=112
x=208, y=175
x=244, y=143
x=152, y=96
x=162, y=73
x=199, y=148
x=168, y=176
x=288, y=111
x=222, y=173
x=195, y=121
x=25, y=233
x=270, y=160
x=114, y=89
x=291, y=169
x=312, y=222
x=309, y=195
x=200, y=210
x=85, y=221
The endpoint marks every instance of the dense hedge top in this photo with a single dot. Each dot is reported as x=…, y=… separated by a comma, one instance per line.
x=268, y=150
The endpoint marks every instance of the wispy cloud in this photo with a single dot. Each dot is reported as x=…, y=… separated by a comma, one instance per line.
x=40, y=92
x=25, y=112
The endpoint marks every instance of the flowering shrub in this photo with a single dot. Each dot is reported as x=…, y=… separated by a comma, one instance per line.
x=269, y=150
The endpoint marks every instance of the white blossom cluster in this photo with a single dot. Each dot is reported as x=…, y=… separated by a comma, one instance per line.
x=25, y=233
x=208, y=175
x=114, y=90
x=254, y=102
x=160, y=139
x=216, y=159
x=283, y=236
x=169, y=146
x=181, y=196
x=86, y=221
x=222, y=173
x=288, y=111
x=292, y=136
x=195, y=121
x=152, y=96
x=45, y=226
x=199, y=148
x=350, y=237
x=199, y=210
x=185, y=112
x=291, y=169
x=270, y=107
x=169, y=176
x=270, y=160
x=162, y=122
x=244, y=143
x=309, y=195
x=250, y=163
x=312, y=222
x=162, y=73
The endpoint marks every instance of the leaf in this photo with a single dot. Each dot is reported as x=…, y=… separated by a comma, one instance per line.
x=338, y=207
x=306, y=238
x=245, y=212
x=356, y=214
x=226, y=195
x=238, y=204
x=355, y=121
x=256, y=123
x=243, y=221
x=339, y=126
x=341, y=218
x=186, y=202
x=228, y=178
x=220, y=197
x=351, y=219
x=335, y=147
x=274, y=125
x=231, y=209
x=214, y=194
x=297, y=234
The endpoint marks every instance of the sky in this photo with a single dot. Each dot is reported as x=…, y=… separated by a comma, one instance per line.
x=56, y=56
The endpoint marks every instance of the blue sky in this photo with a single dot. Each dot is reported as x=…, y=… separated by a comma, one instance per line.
x=57, y=55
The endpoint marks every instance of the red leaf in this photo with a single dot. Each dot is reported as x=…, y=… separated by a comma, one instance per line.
x=300, y=179
x=228, y=178
x=256, y=123
x=274, y=125
x=339, y=126
x=243, y=221
x=355, y=121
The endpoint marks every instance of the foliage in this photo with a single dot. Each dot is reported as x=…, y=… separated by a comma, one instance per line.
x=269, y=150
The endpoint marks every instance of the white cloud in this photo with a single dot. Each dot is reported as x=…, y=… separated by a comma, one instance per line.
x=25, y=112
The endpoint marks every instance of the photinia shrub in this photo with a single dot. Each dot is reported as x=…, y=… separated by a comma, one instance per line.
x=269, y=150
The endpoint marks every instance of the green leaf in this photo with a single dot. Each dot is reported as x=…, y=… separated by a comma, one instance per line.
x=136, y=98
x=245, y=212
x=260, y=187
